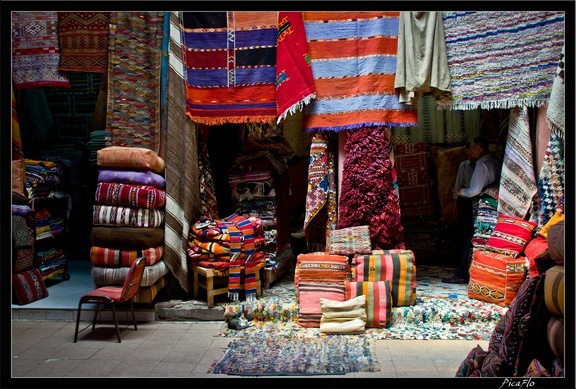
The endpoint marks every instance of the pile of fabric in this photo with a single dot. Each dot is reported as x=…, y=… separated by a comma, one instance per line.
x=228, y=246
x=51, y=207
x=128, y=218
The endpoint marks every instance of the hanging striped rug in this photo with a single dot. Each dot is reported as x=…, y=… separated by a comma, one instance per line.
x=353, y=58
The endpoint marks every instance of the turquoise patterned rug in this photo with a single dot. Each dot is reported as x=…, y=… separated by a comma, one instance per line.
x=442, y=311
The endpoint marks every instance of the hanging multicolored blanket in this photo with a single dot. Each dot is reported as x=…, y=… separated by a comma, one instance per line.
x=502, y=59
x=35, y=51
x=83, y=38
x=353, y=58
x=135, y=56
x=321, y=204
x=230, y=60
x=518, y=181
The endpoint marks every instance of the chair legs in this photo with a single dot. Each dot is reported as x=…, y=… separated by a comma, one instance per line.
x=113, y=308
x=77, y=321
x=116, y=322
x=133, y=315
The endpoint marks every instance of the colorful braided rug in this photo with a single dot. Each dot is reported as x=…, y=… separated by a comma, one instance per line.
x=230, y=60
x=502, y=59
x=353, y=58
x=442, y=311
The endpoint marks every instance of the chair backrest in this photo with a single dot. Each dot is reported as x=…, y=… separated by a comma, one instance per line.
x=133, y=279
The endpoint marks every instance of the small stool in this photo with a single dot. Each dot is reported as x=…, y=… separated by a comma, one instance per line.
x=216, y=285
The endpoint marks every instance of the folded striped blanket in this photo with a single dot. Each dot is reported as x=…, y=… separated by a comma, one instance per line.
x=103, y=256
x=102, y=276
x=139, y=196
x=127, y=238
x=128, y=216
x=147, y=177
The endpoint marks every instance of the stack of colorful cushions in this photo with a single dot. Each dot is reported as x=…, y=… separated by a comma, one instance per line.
x=319, y=275
x=343, y=317
x=128, y=219
x=498, y=271
x=388, y=279
x=27, y=282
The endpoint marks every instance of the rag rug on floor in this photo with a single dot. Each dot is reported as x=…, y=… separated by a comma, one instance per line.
x=353, y=62
x=279, y=356
x=502, y=59
x=442, y=311
x=230, y=60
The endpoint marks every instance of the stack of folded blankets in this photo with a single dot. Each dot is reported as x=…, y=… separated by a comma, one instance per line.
x=128, y=219
x=352, y=287
x=27, y=282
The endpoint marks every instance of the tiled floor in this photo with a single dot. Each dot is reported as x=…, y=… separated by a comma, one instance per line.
x=43, y=334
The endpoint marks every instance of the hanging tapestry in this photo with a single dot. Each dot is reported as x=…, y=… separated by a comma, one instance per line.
x=422, y=65
x=230, y=60
x=556, y=106
x=35, y=50
x=551, y=180
x=182, y=177
x=320, y=216
x=369, y=195
x=294, y=82
x=135, y=54
x=412, y=164
x=164, y=64
x=517, y=181
x=353, y=58
x=83, y=38
x=502, y=59
x=209, y=202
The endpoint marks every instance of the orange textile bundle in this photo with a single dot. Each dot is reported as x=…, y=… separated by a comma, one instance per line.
x=496, y=278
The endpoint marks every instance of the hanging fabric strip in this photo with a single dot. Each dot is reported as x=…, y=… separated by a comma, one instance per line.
x=250, y=270
x=294, y=82
x=234, y=279
x=517, y=182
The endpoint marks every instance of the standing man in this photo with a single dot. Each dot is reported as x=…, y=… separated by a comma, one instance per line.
x=486, y=172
